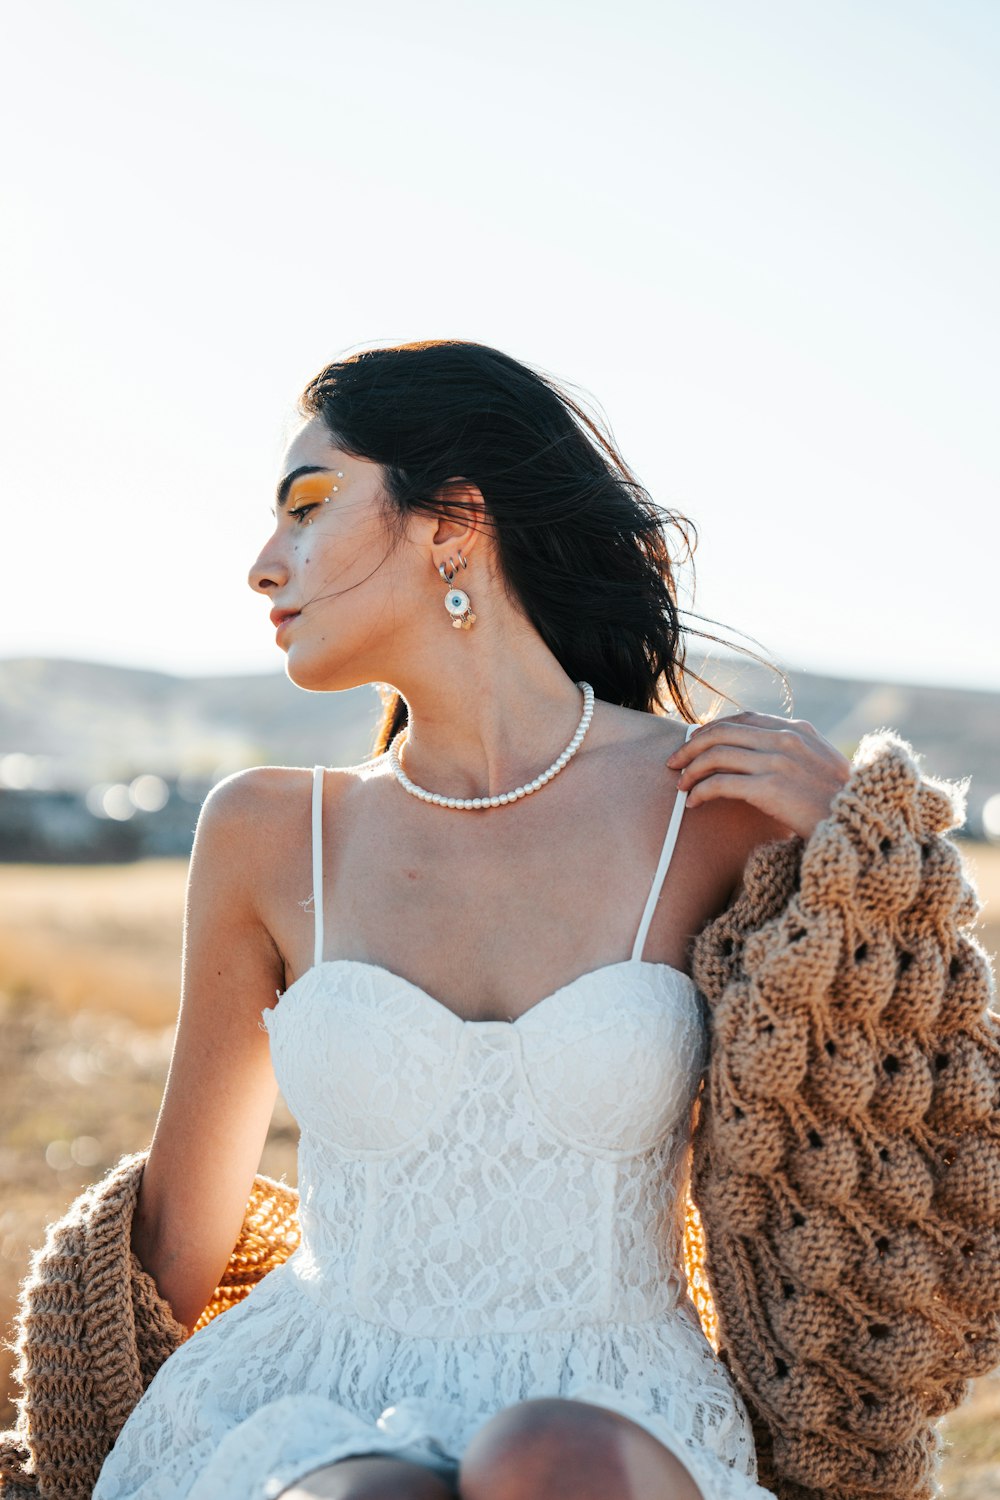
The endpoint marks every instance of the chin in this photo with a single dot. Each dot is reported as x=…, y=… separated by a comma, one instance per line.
x=313, y=681
x=315, y=676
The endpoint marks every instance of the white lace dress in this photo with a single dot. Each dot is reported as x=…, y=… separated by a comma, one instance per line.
x=490, y=1211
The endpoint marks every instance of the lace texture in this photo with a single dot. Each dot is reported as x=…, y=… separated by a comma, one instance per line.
x=490, y=1211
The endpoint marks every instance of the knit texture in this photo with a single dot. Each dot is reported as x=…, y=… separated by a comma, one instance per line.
x=92, y=1329
x=842, y=1239
x=846, y=1160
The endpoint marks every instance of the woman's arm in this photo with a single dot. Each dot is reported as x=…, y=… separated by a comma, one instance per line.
x=221, y=1089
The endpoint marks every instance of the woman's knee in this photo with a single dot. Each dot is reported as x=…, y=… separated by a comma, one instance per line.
x=370, y=1478
x=552, y=1447
x=545, y=1447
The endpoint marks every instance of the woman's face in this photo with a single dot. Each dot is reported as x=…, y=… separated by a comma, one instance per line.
x=334, y=584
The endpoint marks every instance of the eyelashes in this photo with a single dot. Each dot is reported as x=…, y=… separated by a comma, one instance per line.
x=299, y=511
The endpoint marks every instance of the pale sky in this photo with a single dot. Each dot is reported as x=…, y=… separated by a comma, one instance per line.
x=764, y=237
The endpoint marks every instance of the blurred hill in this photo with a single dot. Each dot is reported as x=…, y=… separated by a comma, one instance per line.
x=91, y=721
x=109, y=762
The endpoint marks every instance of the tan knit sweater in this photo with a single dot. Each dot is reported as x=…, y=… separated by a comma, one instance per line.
x=843, y=1233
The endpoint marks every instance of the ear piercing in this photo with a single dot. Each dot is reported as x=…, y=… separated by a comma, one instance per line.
x=456, y=601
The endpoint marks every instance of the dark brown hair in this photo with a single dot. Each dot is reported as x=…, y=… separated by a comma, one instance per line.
x=582, y=546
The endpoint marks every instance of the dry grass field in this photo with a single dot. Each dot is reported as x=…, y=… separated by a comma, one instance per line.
x=89, y=972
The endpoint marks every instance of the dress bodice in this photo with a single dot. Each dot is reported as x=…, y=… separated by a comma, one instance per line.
x=460, y=1176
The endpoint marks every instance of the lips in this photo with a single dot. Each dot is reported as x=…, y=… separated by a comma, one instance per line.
x=279, y=616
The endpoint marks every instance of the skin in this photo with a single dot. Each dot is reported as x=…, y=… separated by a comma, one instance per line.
x=489, y=912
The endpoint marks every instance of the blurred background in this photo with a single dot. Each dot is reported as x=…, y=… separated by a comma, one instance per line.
x=760, y=240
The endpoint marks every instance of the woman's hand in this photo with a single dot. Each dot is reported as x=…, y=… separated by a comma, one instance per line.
x=784, y=767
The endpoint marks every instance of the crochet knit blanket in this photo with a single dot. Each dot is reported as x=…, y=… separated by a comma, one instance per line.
x=846, y=1160
x=843, y=1235
x=93, y=1329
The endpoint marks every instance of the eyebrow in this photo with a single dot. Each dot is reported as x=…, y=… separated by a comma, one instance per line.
x=282, y=492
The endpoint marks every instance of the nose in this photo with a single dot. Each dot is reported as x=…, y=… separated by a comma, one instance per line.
x=267, y=573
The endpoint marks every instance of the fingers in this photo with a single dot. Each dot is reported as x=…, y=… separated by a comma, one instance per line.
x=784, y=768
x=741, y=787
x=733, y=759
x=753, y=731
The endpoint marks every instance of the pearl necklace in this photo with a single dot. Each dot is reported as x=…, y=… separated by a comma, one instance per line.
x=504, y=797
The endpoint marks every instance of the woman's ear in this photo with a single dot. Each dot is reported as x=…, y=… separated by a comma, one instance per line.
x=460, y=499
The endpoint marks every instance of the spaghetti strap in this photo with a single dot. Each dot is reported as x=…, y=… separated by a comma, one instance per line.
x=317, y=852
x=670, y=839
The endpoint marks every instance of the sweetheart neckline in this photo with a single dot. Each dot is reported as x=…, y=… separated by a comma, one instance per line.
x=360, y=963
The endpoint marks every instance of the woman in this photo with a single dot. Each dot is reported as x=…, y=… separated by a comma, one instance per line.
x=485, y=1020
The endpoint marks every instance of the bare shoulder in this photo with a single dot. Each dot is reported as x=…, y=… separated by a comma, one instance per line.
x=247, y=798
x=270, y=805
x=269, y=808
x=246, y=823
x=250, y=827
x=720, y=834
x=253, y=848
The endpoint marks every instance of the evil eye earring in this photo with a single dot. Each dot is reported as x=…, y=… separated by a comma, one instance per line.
x=456, y=601
x=329, y=497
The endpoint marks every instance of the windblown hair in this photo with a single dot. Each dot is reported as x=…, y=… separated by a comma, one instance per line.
x=582, y=546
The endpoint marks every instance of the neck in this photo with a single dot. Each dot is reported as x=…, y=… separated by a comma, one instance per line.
x=500, y=729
